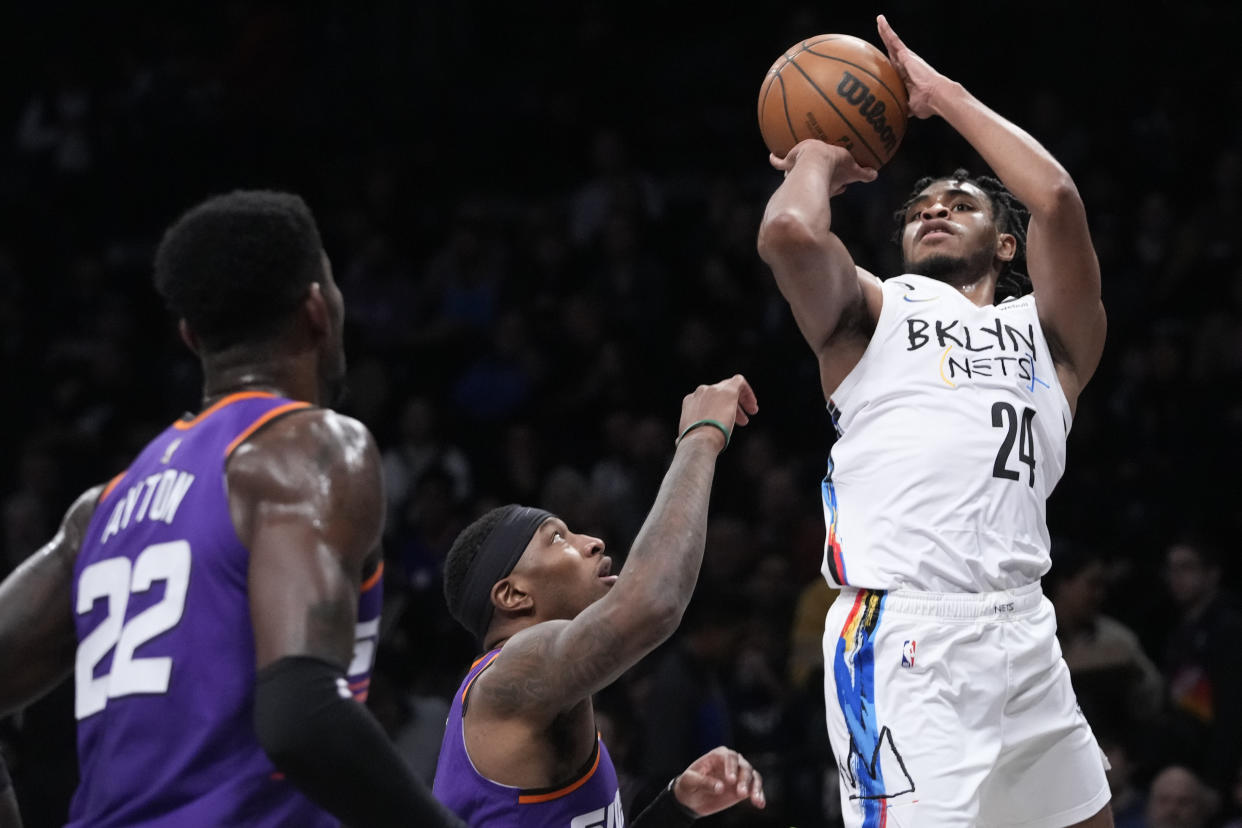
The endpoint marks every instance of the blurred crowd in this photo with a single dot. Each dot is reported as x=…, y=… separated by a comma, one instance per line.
x=544, y=230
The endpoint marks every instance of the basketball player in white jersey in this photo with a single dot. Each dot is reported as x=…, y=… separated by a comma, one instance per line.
x=948, y=701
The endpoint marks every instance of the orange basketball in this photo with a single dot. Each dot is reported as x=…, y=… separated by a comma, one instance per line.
x=839, y=89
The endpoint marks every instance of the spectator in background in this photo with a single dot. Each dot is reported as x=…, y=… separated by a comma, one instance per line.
x=463, y=281
x=55, y=126
x=806, y=636
x=425, y=528
x=687, y=711
x=418, y=447
x=501, y=381
x=614, y=481
x=1112, y=675
x=1235, y=801
x=616, y=187
x=414, y=721
x=1129, y=800
x=385, y=302
x=517, y=465
x=1201, y=662
x=1178, y=799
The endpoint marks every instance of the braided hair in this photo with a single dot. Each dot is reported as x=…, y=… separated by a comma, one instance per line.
x=1010, y=217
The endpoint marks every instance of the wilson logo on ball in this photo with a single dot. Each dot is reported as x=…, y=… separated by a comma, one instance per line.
x=858, y=94
x=839, y=89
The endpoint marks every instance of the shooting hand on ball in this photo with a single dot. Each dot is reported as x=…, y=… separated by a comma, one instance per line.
x=844, y=169
x=921, y=80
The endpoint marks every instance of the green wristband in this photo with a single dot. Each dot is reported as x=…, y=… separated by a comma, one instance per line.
x=715, y=423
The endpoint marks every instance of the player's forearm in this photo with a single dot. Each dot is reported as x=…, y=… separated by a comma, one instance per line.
x=1024, y=165
x=663, y=563
x=812, y=268
x=37, y=635
x=800, y=210
x=665, y=812
x=37, y=643
x=334, y=750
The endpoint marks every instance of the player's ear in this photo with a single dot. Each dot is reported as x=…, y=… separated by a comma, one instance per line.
x=187, y=336
x=509, y=597
x=315, y=306
x=1006, y=246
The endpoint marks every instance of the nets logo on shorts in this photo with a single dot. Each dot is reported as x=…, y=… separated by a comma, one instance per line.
x=907, y=653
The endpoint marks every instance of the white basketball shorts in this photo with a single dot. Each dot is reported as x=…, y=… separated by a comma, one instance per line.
x=956, y=710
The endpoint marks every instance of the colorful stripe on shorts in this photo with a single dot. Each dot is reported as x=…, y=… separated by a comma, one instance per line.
x=854, y=672
x=832, y=544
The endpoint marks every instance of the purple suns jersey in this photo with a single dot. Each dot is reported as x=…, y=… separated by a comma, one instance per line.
x=593, y=800
x=165, y=668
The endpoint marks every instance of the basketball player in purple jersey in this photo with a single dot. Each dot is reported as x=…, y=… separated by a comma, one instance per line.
x=218, y=601
x=555, y=625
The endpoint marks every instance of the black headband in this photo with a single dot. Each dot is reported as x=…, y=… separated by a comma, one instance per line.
x=496, y=558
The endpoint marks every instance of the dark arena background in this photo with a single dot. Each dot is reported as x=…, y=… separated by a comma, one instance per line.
x=543, y=219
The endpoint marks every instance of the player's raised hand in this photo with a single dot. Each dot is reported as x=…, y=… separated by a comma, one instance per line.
x=715, y=409
x=717, y=780
x=845, y=169
x=920, y=78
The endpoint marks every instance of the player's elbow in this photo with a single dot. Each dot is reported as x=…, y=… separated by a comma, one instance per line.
x=786, y=234
x=655, y=623
x=1060, y=197
x=666, y=617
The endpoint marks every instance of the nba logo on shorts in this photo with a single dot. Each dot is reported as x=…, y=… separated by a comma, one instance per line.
x=907, y=654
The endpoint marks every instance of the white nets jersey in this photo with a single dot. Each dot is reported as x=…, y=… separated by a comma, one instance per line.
x=952, y=433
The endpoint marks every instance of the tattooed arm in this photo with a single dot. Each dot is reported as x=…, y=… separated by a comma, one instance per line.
x=306, y=498
x=550, y=668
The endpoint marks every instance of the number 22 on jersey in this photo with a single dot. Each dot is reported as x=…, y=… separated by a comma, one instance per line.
x=114, y=580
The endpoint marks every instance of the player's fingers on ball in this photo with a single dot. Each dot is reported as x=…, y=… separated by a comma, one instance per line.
x=756, y=790
x=745, y=773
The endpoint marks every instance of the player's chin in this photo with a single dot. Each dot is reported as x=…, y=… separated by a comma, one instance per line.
x=935, y=265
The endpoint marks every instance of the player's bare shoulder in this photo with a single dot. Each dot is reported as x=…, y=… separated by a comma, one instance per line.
x=64, y=545
x=873, y=294
x=524, y=676
x=313, y=457
x=79, y=515
x=332, y=442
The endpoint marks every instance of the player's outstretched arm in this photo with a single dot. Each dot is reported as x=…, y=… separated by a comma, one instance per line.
x=813, y=269
x=1060, y=255
x=306, y=498
x=551, y=667
x=37, y=636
